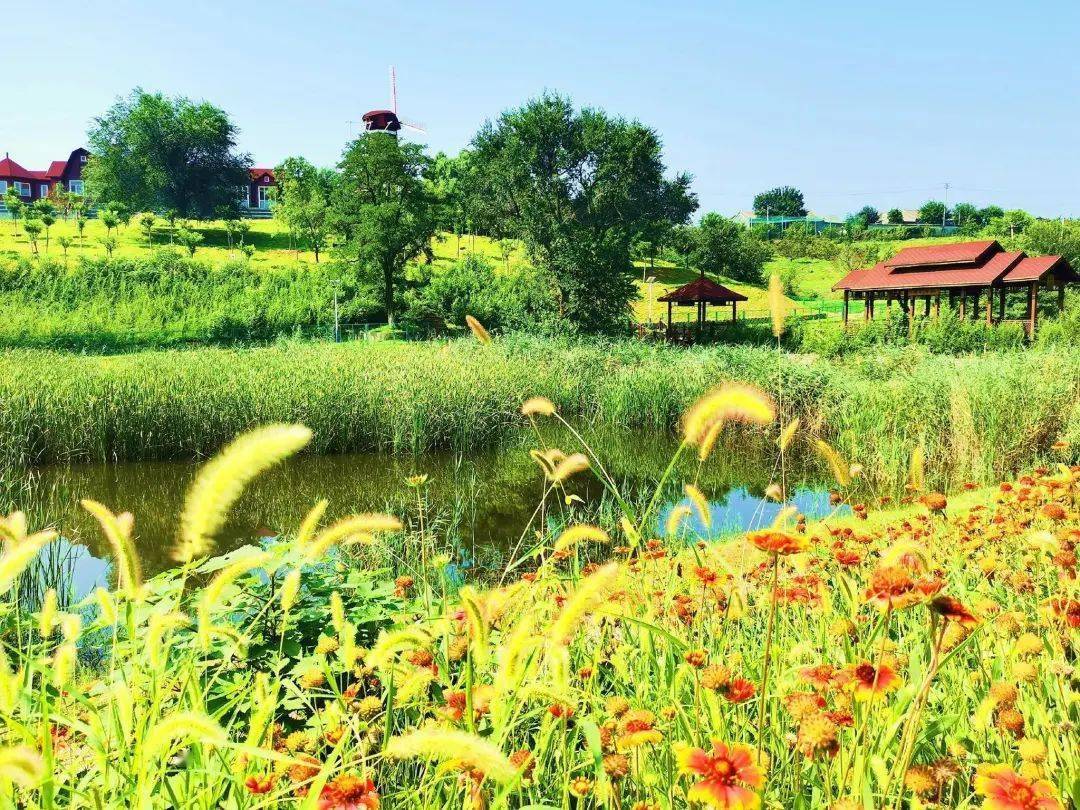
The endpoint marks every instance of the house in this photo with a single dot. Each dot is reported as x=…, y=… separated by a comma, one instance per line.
x=36, y=184
x=963, y=272
x=260, y=181
x=908, y=216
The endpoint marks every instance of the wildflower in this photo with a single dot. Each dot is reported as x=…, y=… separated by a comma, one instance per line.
x=696, y=658
x=1028, y=645
x=312, y=679
x=772, y=541
x=934, y=501
x=1005, y=789
x=820, y=676
x=637, y=728
x=739, y=690
x=920, y=780
x=729, y=777
x=326, y=645
x=1025, y=672
x=715, y=677
x=616, y=766
x=944, y=770
x=1054, y=511
x=260, y=783
x=581, y=787
x=525, y=762
x=1004, y=694
x=348, y=792
x=368, y=707
x=1032, y=750
x=305, y=770
x=801, y=705
x=891, y=586
x=402, y=586
x=561, y=711
x=1010, y=720
x=869, y=682
x=617, y=705
x=818, y=735
x=416, y=481
x=954, y=610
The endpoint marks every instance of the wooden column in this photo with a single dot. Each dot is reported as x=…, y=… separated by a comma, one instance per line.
x=926, y=312
x=735, y=306
x=975, y=305
x=1033, y=309
x=846, y=294
x=963, y=305
x=669, y=317
x=1061, y=298
x=937, y=304
x=989, y=307
x=1001, y=306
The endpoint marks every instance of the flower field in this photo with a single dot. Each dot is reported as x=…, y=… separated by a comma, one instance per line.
x=920, y=661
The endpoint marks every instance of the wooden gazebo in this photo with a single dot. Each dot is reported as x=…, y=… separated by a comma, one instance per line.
x=700, y=293
x=963, y=272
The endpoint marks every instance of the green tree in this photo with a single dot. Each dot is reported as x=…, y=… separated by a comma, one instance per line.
x=724, y=247
x=303, y=200
x=147, y=222
x=933, y=213
x=65, y=243
x=33, y=228
x=189, y=240
x=577, y=187
x=156, y=153
x=895, y=216
x=869, y=215
x=1009, y=224
x=448, y=180
x=110, y=220
x=109, y=243
x=990, y=212
x=782, y=201
x=15, y=206
x=383, y=211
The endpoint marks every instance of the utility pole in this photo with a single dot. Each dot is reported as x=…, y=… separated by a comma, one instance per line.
x=945, y=210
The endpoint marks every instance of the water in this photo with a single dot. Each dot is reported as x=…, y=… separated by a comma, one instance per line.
x=479, y=502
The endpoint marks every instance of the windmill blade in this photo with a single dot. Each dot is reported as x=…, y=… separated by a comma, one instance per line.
x=412, y=126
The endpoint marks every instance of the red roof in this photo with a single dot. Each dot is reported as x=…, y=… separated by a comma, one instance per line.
x=259, y=172
x=9, y=168
x=703, y=289
x=957, y=253
x=965, y=264
x=56, y=169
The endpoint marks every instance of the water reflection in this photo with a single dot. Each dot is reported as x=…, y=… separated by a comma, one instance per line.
x=480, y=501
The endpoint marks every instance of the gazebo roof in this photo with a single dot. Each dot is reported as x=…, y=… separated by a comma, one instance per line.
x=703, y=289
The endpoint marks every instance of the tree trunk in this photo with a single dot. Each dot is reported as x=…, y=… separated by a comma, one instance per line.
x=388, y=280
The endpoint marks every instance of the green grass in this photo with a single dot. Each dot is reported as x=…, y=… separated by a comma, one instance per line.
x=976, y=417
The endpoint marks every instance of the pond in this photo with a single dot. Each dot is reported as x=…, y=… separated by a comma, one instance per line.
x=479, y=502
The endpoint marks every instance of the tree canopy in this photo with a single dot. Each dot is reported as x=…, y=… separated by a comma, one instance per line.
x=933, y=212
x=869, y=215
x=157, y=153
x=383, y=210
x=577, y=187
x=782, y=201
x=303, y=198
x=724, y=247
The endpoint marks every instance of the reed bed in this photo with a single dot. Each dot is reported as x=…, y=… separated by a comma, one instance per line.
x=975, y=418
x=925, y=660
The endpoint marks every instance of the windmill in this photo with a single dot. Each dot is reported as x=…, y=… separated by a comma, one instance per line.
x=387, y=120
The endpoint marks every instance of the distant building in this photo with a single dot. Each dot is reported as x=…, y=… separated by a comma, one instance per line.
x=260, y=181
x=35, y=184
x=812, y=220
x=910, y=217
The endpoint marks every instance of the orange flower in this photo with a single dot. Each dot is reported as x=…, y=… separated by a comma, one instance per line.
x=728, y=774
x=260, y=783
x=869, y=682
x=348, y=792
x=739, y=690
x=892, y=586
x=935, y=501
x=1005, y=789
x=776, y=542
x=820, y=676
x=953, y=609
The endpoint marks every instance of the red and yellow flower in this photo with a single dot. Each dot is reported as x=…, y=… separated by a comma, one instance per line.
x=729, y=777
x=1004, y=789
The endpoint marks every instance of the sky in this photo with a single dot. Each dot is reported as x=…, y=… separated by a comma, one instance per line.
x=854, y=103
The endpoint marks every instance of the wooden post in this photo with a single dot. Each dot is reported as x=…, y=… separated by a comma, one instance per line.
x=846, y=294
x=735, y=305
x=975, y=305
x=1001, y=306
x=1033, y=309
x=937, y=305
x=1061, y=298
x=989, y=307
x=963, y=305
x=926, y=311
x=669, y=318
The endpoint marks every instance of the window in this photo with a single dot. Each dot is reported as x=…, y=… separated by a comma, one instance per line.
x=3, y=186
x=75, y=186
x=21, y=188
x=43, y=191
x=82, y=158
x=264, y=197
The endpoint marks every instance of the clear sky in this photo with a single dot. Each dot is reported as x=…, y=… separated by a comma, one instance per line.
x=855, y=103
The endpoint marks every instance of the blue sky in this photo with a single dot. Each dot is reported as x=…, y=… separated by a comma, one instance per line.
x=878, y=103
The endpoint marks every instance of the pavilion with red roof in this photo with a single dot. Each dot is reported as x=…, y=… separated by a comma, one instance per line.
x=700, y=293
x=963, y=271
